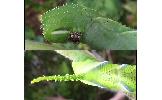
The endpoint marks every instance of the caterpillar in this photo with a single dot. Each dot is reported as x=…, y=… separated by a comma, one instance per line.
x=92, y=28
x=71, y=18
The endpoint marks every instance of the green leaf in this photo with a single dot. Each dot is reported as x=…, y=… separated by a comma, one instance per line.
x=101, y=74
x=82, y=60
x=113, y=77
x=91, y=71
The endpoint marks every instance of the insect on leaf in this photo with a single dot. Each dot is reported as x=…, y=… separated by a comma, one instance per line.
x=74, y=18
x=71, y=17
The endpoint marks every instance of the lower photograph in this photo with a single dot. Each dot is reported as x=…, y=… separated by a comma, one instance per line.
x=80, y=75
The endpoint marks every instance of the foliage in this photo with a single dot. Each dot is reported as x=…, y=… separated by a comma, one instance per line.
x=49, y=63
x=78, y=18
x=90, y=71
x=38, y=63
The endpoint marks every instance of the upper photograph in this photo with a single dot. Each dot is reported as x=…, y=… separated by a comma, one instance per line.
x=80, y=24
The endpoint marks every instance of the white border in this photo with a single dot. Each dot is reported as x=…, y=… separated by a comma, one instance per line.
x=12, y=50
x=149, y=52
x=149, y=56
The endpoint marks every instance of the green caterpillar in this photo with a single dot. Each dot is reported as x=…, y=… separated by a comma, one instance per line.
x=91, y=71
x=60, y=22
x=71, y=17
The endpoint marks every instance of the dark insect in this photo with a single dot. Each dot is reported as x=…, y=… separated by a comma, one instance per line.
x=75, y=37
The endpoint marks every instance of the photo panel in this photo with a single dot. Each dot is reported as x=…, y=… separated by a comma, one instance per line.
x=80, y=75
x=80, y=50
x=80, y=24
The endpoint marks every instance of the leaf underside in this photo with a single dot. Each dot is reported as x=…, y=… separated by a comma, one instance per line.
x=101, y=74
x=96, y=73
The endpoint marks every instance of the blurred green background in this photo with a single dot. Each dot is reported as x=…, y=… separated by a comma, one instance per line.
x=38, y=63
x=123, y=11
